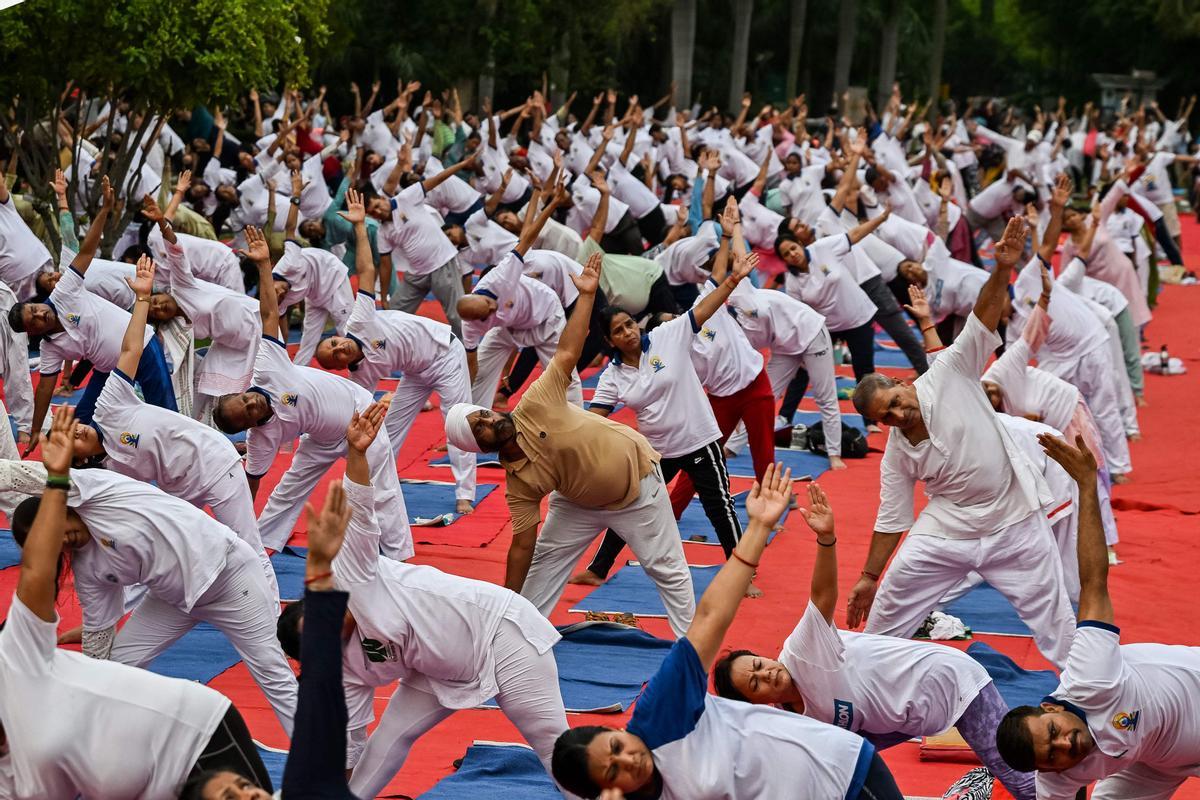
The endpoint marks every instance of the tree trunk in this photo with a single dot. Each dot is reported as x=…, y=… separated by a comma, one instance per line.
x=847, y=32
x=937, y=51
x=560, y=70
x=743, y=11
x=487, y=81
x=683, y=45
x=795, y=42
x=887, y=51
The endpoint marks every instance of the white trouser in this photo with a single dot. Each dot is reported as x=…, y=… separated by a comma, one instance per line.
x=449, y=377
x=10, y=496
x=1021, y=562
x=500, y=343
x=309, y=465
x=233, y=506
x=1093, y=375
x=1125, y=400
x=1104, y=493
x=315, y=320
x=817, y=360
x=647, y=525
x=528, y=695
x=240, y=605
x=1142, y=782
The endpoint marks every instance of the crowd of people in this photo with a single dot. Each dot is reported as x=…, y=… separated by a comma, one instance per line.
x=720, y=266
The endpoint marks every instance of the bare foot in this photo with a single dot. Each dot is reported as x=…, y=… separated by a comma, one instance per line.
x=753, y=592
x=1141, y=400
x=463, y=507
x=22, y=440
x=1122, y=478
x=72, y=636
x=1134, y=437
x=64, y=391
x=586, y=578
x=835, y=462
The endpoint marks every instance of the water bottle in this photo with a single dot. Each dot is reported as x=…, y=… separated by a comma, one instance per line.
x=1164, y=360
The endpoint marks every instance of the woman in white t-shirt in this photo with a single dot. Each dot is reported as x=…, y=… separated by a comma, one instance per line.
x=75, y=726
x=884, y=688
x=685, y=743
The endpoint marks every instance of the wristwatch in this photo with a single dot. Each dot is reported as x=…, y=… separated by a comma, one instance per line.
x=295, y=201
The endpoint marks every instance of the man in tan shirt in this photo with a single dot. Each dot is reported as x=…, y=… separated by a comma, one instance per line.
x=598, y=474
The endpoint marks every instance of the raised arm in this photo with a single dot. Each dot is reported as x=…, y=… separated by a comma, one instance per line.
x=533, y=226
x=364, y=263
x=1080, y=464
x=712, y=302
x=992, y=296
x=142, y=284
x=1060, y=195
x=293, y=217
x=918, y=306
x=429, y=184
x=600, y=220
x=268, y=303
x=570, y=343
x=91, y=242
x=823, y=590
x=860, y=232
x=714, y=614
x=37, y=584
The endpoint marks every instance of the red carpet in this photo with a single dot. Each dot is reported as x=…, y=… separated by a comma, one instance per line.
x=1158, y=515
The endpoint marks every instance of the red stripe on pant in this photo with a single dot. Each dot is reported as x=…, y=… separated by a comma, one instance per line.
x=754, y=405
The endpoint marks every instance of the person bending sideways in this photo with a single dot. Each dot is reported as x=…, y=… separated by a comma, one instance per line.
x=1127, y=716
x=74, y=726
x=316, y=762
x=598, y=474
x=885, y=689
x=683, y=743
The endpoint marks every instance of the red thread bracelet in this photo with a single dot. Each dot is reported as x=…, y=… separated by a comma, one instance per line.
x=734, y=553
x=316, y=578
x=870, y=575
x=929, y=328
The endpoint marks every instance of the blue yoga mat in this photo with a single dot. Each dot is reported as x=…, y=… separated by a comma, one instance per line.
x=812, y=419
x=803, y=463
x=630, y=590
x=886, y=357
x=201, y=654
x=1018, y=687
x=274, y=762
x=10, y=553
x=289, y=572
x=985, y=610
x=694, y=522
x=602, y=666
x=482, y=460
x=435, y=499
x=493, y=771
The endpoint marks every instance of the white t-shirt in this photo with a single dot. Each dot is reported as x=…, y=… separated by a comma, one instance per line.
x=22, y=255
x=631, y=191
x=994, y=201
x=682, y=259
x=759, y=223
x=303, y=401
x=555, y=270
x=977, y=480
x=586, y=199
x=829, y=287
x=774, y=320
x=1075, y=279
x=107, y=279
x=92, y=327
x=487, y=242
x=182, y=456
x=721, y=353
x=522, y=304
x=953, y=287
x=425, y=627
x=77, y=726
x=1076, y=330
x=1141, y=703
x=1154, y=183
x=878, y=684
x=709, y=748
x=141, y=534
x=1029, y=390
x=210, y=260
x=314, y=275
x=415, y=233
x=393, y=341
x=663, y=389
x=453, y=195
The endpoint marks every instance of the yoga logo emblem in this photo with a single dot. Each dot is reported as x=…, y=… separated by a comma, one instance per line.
x=130, y=439
x=289, y=398
x=708, y=333
x=1125, y=721
x=73, y=319
x=658, y=364
x=379, y=344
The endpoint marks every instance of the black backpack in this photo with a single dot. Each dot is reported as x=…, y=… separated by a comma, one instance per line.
x=854, y=443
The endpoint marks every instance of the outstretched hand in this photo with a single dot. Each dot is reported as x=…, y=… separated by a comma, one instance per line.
x=142, y=282
x=743, y=265
x=918, y=304
x=731, y=215
x=819, y=514
x=769, y=498
x=58, y=450
x=588, y=281
x=150, y=209
x=355, y=211
x=365, y=425
x=256, y=245
x=1012, y=244
x=1060, y=195
x=1078, y=461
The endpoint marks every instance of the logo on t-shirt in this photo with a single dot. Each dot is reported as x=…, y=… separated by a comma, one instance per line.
x=130, y=439
x=658, y=364
x=1126, y=721
x=378, y=652
x=289, y=398
x=379, y=344
x=843, y=713
x=73, y=319
x=708, y=333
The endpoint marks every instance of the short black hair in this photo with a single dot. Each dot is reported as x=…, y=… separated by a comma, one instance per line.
x=1013, y=739
x=723, y=676
x=569, y=764
x=287, y=629
x=134, y=252
x=193, y=787
x=871, y=175
x=223, y=423
x=16, y=317
x=607, y=315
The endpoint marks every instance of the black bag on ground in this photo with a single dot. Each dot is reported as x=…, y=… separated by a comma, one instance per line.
x=854, y=443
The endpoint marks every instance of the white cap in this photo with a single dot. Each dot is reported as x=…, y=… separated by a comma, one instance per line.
x=1034, y=136
x=458, y=427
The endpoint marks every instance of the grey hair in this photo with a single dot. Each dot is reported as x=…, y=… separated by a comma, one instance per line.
x=865, y=391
